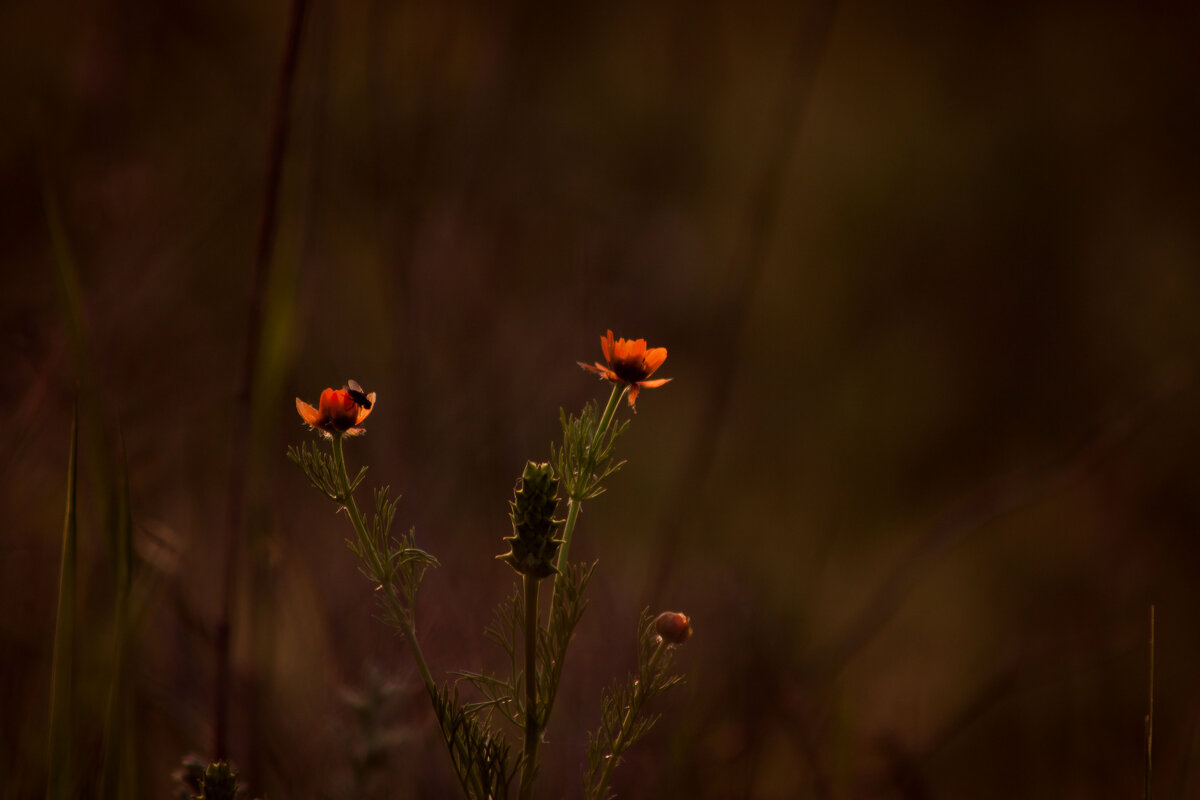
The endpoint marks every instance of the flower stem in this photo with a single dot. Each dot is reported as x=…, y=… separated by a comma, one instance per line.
x=532, y=734
x=348, y=503
x=375, y=562
x=573, y=508
x=573, y=504
x=610, y=410
x=631, y=713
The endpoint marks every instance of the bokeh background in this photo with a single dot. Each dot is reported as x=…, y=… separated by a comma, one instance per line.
x=928, y=277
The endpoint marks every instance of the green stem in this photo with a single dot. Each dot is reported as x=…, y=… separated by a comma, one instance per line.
x=631, y=713
x=348, y=497
x=532, y=734
x=574, y=505
x=610, y=410
x=573, y=508
x=375, y=561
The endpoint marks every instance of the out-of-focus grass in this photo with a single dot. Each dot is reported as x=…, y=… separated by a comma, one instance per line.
x=120, y=738
x=63, y=779
x=94, y=741
x=89, y=398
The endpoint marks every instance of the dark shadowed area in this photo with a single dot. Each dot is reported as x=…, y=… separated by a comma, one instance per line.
x=928, y=276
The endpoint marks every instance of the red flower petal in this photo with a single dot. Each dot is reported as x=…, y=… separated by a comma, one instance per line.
x=310, y=415
x=653, y=359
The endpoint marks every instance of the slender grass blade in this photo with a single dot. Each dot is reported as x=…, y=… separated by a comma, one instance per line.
x=61, y=782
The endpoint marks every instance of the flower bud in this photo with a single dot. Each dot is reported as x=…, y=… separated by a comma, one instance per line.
x=673, y=627
x=533, y=548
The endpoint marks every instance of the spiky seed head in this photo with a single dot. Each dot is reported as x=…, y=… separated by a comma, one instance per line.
x=533, y=547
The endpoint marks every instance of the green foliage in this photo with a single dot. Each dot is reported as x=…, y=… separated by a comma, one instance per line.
x=502, y=694
x=394, y=564
x=623, y=716
x=119, y=774
x=322, y=472
x=584, y=460
x=524, y=693
x=397, y=566
x=481, y=759
x=568, y=607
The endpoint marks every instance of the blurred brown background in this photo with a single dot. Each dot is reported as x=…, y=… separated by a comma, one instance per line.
x=928, y=278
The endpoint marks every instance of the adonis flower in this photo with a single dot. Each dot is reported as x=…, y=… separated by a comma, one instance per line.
x=630, y=363
x=339, y=411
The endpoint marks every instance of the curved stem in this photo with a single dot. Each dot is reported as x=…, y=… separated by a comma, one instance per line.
x=631, y=713
x=532, y=734
x=375, y=561
x=410, y=636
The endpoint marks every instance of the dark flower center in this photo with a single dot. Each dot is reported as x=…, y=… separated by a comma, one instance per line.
x=630, y=370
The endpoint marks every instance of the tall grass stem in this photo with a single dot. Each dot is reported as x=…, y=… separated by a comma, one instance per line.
x=120, y=741
x=61, y=763
x=268, y=224
x=1150, y=713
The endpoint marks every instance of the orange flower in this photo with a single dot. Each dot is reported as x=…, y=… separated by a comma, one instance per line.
x=338, y=412
x=629, y=362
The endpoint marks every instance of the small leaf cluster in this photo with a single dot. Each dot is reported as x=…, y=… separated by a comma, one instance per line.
x=322, y=472
x=503, y=694
x=481, y=759
x=585, y=458
x=394, y=564
x=623, y=716
x=553, y=641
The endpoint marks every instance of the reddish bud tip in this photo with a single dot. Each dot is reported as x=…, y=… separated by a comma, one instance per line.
x=673, y=627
